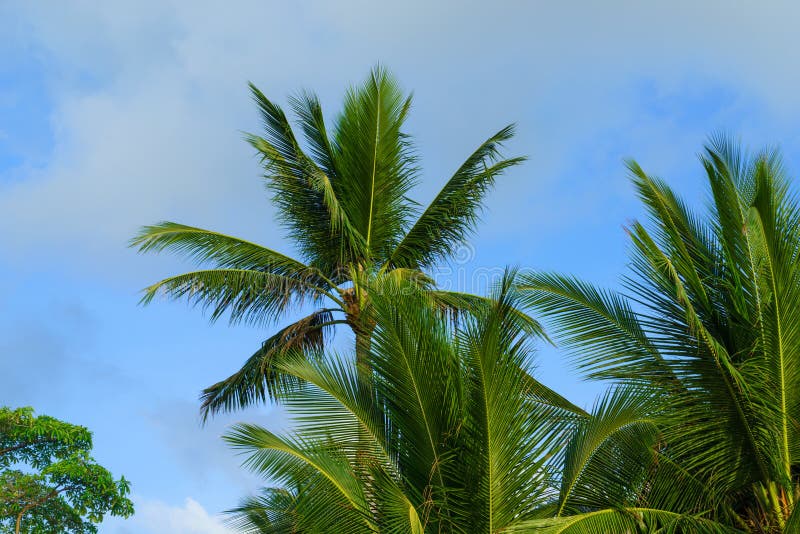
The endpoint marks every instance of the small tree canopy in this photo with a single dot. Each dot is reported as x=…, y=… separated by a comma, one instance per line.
x=49, y=482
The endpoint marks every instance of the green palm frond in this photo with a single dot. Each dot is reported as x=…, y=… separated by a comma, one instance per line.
x=624, y=520
x=272, y=511
x=329, y=477
x=394, y=508
x=323, y=151
x=412, y=353
x=457, y=304
x=507, y=439
x=378, y=165
x=254, y=297
x=224, y=252
x=599, y=326
x=261, y=378
x=307, y=202
x=446, y=406
x=336, y=403
x=451, y=217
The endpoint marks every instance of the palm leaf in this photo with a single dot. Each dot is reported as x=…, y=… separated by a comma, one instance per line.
x=249, y=296
x=261, y=378
x=451, y=216
x=624, y=520
x=378, y=166
x=309, y=207
x=335, y=487
x=225, y=252
x=272, y=511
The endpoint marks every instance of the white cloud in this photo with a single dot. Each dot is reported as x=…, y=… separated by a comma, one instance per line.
x=157, y=517
x=153, y=133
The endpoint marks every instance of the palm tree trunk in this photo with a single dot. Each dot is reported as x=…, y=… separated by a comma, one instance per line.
x=363, y=343
x=362, y=328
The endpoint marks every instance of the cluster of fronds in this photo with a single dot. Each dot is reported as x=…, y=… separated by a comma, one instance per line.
x=434, y=423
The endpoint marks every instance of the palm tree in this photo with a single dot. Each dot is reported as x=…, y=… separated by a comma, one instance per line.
x=342, y=200
x=458, y=434
x=701, y=432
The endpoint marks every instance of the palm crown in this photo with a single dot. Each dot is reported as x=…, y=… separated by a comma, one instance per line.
x=449, y=434
x=343, y=201
x=703, y=431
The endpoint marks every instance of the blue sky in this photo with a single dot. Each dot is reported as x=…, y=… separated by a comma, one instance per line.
x=114, y=115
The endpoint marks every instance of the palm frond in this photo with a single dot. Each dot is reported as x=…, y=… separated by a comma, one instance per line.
x=222, y=251
x=327, y=475
x=261, y=378
x=451, y=217
x=306, y=200
x=610, y=454
x=507, y=440
x=624, y=520
x=272, y=511
x=377, y=168
x=337, y=404
x=598, y=326
x=457, y=304
x=254, y=297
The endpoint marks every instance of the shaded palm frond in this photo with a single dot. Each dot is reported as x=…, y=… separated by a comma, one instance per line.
x=253, y=297
x=260, y=378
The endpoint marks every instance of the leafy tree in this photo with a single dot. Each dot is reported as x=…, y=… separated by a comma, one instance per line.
x=343, y=200
x=702, y=430
x=455, y=433
x=48, y=481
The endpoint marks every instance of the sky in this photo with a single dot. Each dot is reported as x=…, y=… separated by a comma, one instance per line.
x=118, y=114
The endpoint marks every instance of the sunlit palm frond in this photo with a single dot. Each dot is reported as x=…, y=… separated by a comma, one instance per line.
x=625, y=520
x=331, y=494
x=451, y=216
x=271, y=511
x=376, y=162
x=446, y=406
x=222, y=251
x=611, y=452
x=507, y=440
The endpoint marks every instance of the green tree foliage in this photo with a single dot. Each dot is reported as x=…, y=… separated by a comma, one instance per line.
x=48, y=481
x=701, y=432
x=449, y=434
x=341, y=194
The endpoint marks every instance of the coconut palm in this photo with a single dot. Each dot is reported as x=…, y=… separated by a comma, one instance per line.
x=342, y=199
x=702, y=430
x=459, y=437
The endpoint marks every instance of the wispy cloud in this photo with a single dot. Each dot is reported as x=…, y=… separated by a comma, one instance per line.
x=149, y=98
x=157, y=517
